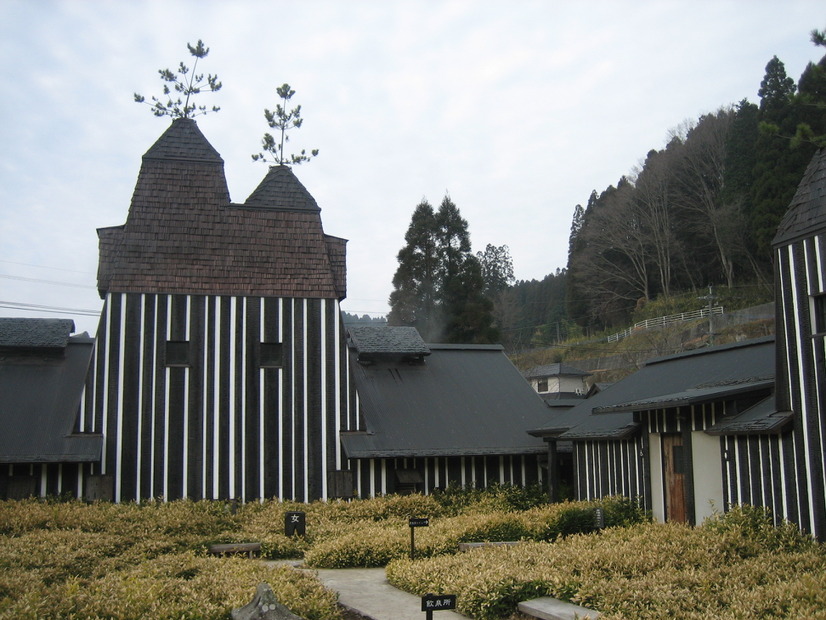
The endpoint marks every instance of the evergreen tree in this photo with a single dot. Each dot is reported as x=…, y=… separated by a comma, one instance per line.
x=438, y=286
x=497, y=269
x=778, y=168
x=413, y=300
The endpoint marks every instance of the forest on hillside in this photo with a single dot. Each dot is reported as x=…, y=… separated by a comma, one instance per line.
x=700, y=212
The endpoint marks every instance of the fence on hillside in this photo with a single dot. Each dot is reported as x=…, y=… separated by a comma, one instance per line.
x=664, y=321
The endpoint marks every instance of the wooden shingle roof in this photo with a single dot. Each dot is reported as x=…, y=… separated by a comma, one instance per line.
x=183, y=235
x=806, y=215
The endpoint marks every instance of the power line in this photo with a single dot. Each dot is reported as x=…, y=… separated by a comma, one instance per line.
x=23, y=279
x=16, y=305
x=12, y=262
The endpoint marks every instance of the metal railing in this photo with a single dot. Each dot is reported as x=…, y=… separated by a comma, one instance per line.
x=664, y=321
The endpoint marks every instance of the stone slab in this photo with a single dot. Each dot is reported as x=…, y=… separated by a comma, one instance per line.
x=547, y=608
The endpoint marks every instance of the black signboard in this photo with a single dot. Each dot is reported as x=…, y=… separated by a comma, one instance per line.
x=438, y=602
x=419, y=522
x=294, y=523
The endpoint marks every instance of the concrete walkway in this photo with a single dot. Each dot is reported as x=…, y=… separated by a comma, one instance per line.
x=366, y=591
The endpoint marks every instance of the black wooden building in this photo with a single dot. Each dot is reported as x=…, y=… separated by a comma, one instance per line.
x=744, y=423
x=218, y=369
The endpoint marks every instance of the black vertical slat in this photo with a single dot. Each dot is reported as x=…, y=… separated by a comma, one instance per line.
x=130, y=385
x=251, y=381
x=286, y=405
x=237, y=407
x=159, y=399
x=224, y=405
x=197, y=392
x=208, y=413
x=315, y=376
x=332, y=405
x=177, y=398
x=111, y=387
x=743, y=482
x=148, y=372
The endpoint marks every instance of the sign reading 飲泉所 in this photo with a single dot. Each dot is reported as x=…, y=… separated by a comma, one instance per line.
x=419, y=522
x=438, y=602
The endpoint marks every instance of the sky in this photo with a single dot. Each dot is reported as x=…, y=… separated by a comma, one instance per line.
x=516, y=110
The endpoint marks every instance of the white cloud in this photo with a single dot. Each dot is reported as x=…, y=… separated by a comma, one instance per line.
x=517, y=110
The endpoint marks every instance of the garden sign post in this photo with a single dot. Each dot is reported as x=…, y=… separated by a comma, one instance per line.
x=437, y=602
x=414, y=523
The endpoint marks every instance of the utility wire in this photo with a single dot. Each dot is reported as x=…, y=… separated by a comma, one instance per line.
x=23, y=279
x=15, y=305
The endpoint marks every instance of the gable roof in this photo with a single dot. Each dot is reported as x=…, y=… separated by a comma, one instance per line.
x=693, y=377
x=806, y=214
x=41, y=394
x=459, y=400
x=183, y=235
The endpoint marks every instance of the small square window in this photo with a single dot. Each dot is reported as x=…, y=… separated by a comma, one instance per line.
x=177, y=353
x=542, y=386
x=271, y=355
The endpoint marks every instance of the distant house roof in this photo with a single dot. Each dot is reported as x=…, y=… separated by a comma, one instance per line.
x=694, y=377
x=807, y=212
x=41, y=392
x=372, y=340
x=459, y=400
x=555, y=370
x=35, y=333
x=183, y=235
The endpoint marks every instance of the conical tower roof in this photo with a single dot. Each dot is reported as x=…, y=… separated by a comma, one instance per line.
x=807, y=211
x=184, y=236
x=183, y=140
x=282, y=190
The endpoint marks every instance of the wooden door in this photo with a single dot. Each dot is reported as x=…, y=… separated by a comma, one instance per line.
x=674, y=478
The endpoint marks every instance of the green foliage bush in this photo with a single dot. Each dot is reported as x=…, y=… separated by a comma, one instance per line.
x=646, y=571
x=69, y=559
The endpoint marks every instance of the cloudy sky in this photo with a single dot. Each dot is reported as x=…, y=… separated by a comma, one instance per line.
x=517, y=110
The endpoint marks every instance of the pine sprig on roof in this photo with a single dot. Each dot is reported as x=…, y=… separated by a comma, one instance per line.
x=186, y=84
x=283, y=120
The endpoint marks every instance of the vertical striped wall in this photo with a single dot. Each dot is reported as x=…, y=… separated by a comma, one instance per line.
x=756, y=469
x=801, y=373
x=222, y=426
x=603, y=468
x=377, y=476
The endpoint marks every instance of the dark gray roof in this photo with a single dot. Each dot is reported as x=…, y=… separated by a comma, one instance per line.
x=460, y=400
x=693, y=377
x=759, y=419
x=555, y=370
x=41, y=395
x=806, y=214
x=384, y=339
x=35, y=333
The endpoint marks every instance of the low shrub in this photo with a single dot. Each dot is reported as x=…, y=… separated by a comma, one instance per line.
x=643, y=571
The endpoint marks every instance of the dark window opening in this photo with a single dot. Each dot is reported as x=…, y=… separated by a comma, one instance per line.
x=271, y=355
x=177, y=353
x=819, y=314
x=542, y=385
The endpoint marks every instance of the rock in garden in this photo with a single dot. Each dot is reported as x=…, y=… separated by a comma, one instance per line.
x=263, y=607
